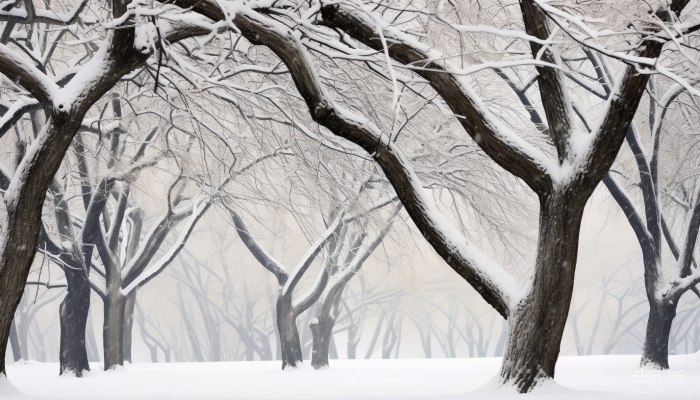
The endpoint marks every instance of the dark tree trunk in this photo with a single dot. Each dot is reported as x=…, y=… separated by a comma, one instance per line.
x=660, y=320
x=74, y=311
x=537, y=323
x=113, y=330
x=322, y=333
x=129, y=305
x=289, y=334
x=24, y=208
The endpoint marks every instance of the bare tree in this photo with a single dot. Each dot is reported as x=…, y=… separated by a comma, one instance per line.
x=536, y=311
x=287, y=307
x=653, y=223
x=342, y=268
x=65, y=99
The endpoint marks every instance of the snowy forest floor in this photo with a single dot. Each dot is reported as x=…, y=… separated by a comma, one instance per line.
x=438, y=379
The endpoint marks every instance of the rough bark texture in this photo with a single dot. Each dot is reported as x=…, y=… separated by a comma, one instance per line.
x=25, y=202
x=537, y=324
x=73, y=318
x=21, y=233
x=128, y=327
x=322, y=332
x=113, y=330
x=289, y=334
x=660, y=320
x=537, y=320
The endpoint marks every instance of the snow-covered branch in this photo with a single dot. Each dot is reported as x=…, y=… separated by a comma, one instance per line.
x=199, y=207
x=496, y=285
x=308, y=258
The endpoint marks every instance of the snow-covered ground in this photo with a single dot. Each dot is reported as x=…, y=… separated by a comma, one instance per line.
x=595, y=377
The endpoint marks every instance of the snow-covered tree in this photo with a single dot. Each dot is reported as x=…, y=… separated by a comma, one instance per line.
x=670, y=199
x=65, y=89
x=562, y=173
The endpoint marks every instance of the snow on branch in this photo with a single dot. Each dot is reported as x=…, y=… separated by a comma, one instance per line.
x=15, y=112
x=349, y=271
x=200, y=206
x=497, y=286
x=41, y=16
x=310, y=256
x=23, y=73
x=263, y=257
x=504, y=146
x=660, y=28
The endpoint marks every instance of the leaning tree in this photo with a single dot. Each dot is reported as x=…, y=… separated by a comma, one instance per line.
x=562, y=173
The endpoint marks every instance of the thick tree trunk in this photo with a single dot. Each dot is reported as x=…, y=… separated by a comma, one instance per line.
x=24, y=203
x=289, y=334
x=537, y=322
x=322, y=333
x=659, y=322
x=129, y=305
x=73, y=315
x=113, y=330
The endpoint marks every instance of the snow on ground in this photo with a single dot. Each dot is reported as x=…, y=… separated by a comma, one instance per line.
x=594, y=377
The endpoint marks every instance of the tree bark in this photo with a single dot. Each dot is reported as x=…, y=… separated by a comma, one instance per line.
x=129, y=305
x=659, y=322
x=113, y=330
x=537, y=322
x=289, y=334
x=24, y=209
x=322, y=333
x=74, y=311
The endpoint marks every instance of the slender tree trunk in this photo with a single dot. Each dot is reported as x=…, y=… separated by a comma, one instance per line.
x=375, y=335
x=74, y=311
x=189, y=326
x=333, y=349
x=353, y=338
x=660, y=320
x=38, y=342
x=322, y=333
x=249, y=352
x=23, y=337
x=129, y=305
x=153, y=349
x=113, y=330
x=14, y=343
x=498, y=351
x=425, y=341
x=537, y=322
x=289, y=334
